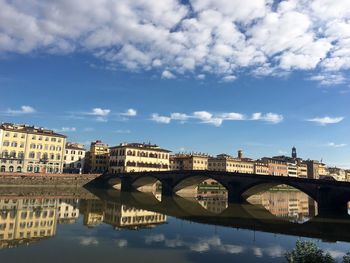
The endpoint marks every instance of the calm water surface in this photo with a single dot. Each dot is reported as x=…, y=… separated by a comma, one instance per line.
x=110, y=226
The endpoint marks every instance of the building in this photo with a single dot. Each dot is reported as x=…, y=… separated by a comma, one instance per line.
x=138, y=157
x=93, y=211
x=25, y=148
x=302, y=170
x=338, y=173
x=277, y=167
x=74, y=158
x=189, y=161
x=98, y=157
x=227, y=163
x=315, y=169
x=261, y=168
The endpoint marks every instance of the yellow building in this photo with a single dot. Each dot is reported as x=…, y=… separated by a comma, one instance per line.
x=302, y=170
x=338, y=173
x=25, y=148
x=98, y=157
x=93, y=211
x=227, y=163
x=261, y=168
x=25, y=220
x=138, y=157
x=74, y=158
x=190, y=161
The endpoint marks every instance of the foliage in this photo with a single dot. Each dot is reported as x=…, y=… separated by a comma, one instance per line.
x=346, y=258
x=308, y=252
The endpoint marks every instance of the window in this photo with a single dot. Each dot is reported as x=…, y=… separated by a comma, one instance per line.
x=11, y=169
x=15, y=135
x=53, y=139
x=32, y=155
x=6, y=143
x=40, y=138
x=3, y=169
x=23, y=136
x=33, y=137
x=7, y=134
x=19, y=169
x=30, y=168
x=32, y=146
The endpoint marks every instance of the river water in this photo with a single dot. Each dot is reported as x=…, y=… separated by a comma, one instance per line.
x=110, y=226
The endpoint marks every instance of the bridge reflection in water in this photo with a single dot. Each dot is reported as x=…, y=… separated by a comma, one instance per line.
x=27, y=217
x=281, y=211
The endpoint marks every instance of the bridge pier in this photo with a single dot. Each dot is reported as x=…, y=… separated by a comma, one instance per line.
x=332, y=204
x=126, y=184
x=234, y=196
x=167, y=188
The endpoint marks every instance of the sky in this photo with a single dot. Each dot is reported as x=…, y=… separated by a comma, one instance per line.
x=198, y=75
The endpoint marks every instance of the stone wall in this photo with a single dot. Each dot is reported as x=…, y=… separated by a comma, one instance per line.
x=42, y=180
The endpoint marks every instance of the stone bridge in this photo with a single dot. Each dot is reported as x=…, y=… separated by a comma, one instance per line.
x=332, y=197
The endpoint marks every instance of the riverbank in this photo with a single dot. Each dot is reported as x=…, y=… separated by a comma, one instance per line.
x=44, y=180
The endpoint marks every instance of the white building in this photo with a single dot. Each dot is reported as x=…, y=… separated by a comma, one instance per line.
x=74, y=158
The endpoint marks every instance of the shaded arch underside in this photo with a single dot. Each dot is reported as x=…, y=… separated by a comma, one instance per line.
x=261, y=187
x=193, y=182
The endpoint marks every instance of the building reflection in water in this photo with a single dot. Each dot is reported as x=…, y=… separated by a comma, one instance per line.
x=214, y=201
x=286, y=202
x=26, y=220
x=23, y=221
x=119, y=215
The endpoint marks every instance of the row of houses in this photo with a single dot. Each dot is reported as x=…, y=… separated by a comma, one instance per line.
x=30, y=149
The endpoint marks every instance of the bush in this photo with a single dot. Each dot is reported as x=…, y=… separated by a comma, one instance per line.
x=308, y=252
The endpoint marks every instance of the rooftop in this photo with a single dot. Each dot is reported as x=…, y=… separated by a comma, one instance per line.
x=146, y=146
x=25, y=128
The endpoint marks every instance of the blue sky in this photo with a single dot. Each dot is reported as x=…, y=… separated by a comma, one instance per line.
x=118, y=87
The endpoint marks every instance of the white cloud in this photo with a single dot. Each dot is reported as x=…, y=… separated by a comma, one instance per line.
x=160, y=119
x=166, y=74
x=23, y=110
x=326, y=120
x=268, y=117
x=206, y=37
x=99, y=112
x=66, y=129
x=179, y=116
x=216, y=119
x=329, y=79
x=130, y=113
x=335, y=145
x=123, y=131
x=229, y=78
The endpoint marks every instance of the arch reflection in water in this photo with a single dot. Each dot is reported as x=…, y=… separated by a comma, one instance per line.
x=286, y=202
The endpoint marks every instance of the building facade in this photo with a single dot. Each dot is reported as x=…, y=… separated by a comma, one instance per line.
x=138, y=157
x=190, y=161
x=25, y=148
x=74, y=158
x=277, y=167
x=98, y=157
x=338, y=173
x=227, y=163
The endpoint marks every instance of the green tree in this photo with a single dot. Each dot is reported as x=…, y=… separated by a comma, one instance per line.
x=346, y=258
x=308, y=252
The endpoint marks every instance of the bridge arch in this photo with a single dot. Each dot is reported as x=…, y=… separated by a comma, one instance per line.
x=147, y=183
x=262, y=186
x=189, y=184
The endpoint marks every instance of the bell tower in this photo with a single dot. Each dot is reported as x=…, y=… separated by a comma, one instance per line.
x=294, y=152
